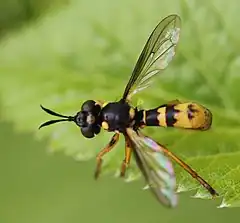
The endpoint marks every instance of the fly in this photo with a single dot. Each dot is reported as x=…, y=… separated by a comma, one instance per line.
x=120, y=117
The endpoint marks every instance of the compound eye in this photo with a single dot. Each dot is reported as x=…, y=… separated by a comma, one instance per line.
x=87, y=132
x=88, y=106
x=81, y=119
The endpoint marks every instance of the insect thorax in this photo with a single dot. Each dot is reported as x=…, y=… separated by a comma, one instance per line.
x=117, y=116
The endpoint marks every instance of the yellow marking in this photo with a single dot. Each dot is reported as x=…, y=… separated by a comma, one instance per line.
x=105, y=125
x=104, y=104
x=131, y=113
x=162, y=116
x=144, y=117
x=99, y=102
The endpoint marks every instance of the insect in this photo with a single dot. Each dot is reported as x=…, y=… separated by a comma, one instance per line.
x=120, y=117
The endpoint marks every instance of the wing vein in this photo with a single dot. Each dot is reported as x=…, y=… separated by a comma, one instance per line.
x=154, y=55
x=155, y=167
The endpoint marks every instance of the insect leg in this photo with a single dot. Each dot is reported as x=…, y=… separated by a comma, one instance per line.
x=105, y=150
x=186, y=167
x=128, y=153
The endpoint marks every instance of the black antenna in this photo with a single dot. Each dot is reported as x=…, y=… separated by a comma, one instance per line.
x=66, y=118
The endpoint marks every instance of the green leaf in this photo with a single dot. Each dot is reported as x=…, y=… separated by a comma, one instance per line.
x=83, y=52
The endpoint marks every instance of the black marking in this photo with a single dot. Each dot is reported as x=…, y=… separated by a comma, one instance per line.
x=138, y=119
x=191, y=111
x=190, y=115
x=151, y=117
x=170, y=113
x=112, y=142
x=212, y=191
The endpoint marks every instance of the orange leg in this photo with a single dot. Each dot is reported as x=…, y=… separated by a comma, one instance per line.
x=107, y=149
x=193, y=173
x=126, y=161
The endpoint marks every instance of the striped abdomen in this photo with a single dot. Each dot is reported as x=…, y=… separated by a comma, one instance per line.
x=181, y=115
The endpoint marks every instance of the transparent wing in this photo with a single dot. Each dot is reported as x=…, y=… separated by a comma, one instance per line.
x=156, y=55
x=155, y=166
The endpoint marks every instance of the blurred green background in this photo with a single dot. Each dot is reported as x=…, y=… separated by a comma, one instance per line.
x=60, y=53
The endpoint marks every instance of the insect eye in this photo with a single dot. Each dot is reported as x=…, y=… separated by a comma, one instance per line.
x=87, y=132
x=88, y=105
x=90, y=131
x=81, y=119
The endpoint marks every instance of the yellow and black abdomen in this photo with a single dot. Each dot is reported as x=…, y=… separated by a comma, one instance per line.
x=180, y=115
